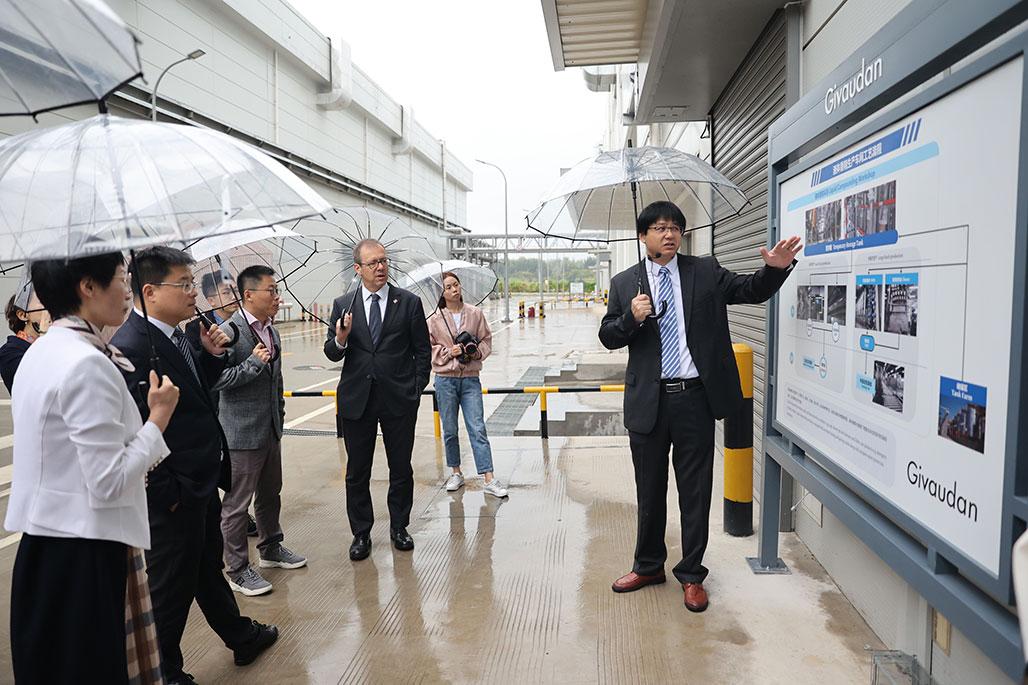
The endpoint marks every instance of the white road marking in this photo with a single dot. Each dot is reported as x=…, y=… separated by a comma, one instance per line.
x=317, y=385
x=10, y=540
x=310, y=415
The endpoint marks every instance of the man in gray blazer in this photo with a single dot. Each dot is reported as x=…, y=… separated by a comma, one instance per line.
x=252, y=412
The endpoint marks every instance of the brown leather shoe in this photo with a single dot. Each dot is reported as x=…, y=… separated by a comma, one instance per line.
x=695, y=597
x=631, y=582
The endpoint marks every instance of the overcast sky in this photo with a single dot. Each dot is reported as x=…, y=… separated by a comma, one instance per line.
x=480, y=77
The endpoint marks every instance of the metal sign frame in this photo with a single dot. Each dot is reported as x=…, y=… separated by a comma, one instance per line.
x=912, y=49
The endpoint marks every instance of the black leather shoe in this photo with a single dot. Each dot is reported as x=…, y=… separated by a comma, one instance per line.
x=401, y=540
x=361, y=547
x=265, y=637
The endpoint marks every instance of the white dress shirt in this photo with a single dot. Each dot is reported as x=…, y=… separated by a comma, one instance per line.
x=161, y=326
x=686, y=367
x=383, y=302
x=81, y=450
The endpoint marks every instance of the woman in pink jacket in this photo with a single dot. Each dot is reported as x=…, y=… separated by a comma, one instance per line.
x=461, y=339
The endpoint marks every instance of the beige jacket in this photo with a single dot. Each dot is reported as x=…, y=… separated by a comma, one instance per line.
x=441, y=332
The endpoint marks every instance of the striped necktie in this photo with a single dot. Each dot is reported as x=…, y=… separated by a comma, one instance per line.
x=670, y=356
x=187, y=351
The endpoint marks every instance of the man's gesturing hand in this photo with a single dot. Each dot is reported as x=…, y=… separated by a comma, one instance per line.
x=782, y=254
x=213, y=339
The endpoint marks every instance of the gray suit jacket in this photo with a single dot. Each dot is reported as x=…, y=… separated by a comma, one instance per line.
x=251, y=392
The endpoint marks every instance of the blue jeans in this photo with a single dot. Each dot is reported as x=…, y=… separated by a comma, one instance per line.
x=464, y=394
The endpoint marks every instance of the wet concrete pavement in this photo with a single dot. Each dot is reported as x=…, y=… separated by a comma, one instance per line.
x=516, y=590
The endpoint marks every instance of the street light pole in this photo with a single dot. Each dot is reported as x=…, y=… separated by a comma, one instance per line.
x=506, y=239
x=195, y=54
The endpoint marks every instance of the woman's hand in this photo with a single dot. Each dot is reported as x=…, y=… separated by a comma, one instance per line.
x=162, y=400
x=456, y=350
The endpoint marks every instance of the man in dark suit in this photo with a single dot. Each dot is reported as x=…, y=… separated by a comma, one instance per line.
x=185, y=557
x=383, y=344
x=681, y=376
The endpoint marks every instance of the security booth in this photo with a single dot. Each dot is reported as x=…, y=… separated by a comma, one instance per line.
x=896, y=351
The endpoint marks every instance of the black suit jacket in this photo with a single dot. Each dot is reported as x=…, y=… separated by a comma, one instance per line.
x=198, y=463
x=399, y=365
x=707, y=288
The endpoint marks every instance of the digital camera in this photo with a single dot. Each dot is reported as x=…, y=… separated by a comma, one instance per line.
x=470, y=344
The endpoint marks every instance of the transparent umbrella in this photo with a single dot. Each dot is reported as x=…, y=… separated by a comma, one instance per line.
x=477, y=282
x=59, y=53
x=599, y=198
x=330, y=271
x=107, y=183
x=220, y=260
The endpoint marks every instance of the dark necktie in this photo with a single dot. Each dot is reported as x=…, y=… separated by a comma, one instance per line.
x=375, y=319
x=186, y=349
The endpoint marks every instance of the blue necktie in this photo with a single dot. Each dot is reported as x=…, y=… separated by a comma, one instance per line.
x=670, y=358
x=375, y=319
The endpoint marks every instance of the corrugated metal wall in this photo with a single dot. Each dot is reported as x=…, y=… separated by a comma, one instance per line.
x=754, y=98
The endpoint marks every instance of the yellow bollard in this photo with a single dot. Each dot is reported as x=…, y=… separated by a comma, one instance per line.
x=521, y=309
x=435, y=417
x=542, y=310
x=738, y=518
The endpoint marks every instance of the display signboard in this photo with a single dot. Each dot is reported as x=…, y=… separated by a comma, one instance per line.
x=893, y=349
x=577, y=288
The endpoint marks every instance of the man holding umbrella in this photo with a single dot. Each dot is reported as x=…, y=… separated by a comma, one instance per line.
x=380, y=335
x=681, y=376
x=185, y=559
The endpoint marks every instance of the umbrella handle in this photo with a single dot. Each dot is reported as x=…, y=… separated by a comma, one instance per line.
x=232, y=326
x=661, y=313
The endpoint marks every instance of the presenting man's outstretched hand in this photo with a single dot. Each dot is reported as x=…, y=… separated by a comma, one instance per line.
x=781, y=255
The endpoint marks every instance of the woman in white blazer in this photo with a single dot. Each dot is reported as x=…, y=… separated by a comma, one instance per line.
x=81, y=454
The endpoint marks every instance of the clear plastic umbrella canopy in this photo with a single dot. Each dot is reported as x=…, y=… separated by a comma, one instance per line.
x=219, y=261
x=477, y=282
x=106, y=183
x=58, y=53
x=330, y=272
x=593, y=200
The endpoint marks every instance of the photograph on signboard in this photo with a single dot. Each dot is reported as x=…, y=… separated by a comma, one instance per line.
x=901, y=309
x=962, y=413
x=871, y=211
x=889, y=386
x=823, y=223
x=810, y=303
x=837, y=304
x=868, y=305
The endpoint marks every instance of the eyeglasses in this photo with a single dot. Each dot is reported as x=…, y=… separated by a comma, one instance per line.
x=666, y=228
x=273, y=290
x=376, y=262
x=188, y=288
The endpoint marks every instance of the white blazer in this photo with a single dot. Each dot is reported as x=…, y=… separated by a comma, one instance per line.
x=81, y=451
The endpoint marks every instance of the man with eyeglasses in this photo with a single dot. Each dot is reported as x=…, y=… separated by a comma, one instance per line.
x=681, y=376
x=252, y=412
x=383, y=344
x=184, y=561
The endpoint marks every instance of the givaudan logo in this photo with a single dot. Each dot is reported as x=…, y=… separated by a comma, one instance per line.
x=868, y=74
x=944, y=493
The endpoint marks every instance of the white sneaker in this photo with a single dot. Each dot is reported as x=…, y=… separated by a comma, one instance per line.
x=249, y=583
x=455, y=482
x=494, y=488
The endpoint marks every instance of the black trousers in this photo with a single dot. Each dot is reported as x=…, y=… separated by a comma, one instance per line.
x=359, y=439
x=185, y=563
x=684, y=420
x=68, y=611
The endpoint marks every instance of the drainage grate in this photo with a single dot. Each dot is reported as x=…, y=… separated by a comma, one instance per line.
x=506, y=417
x=308, y=433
